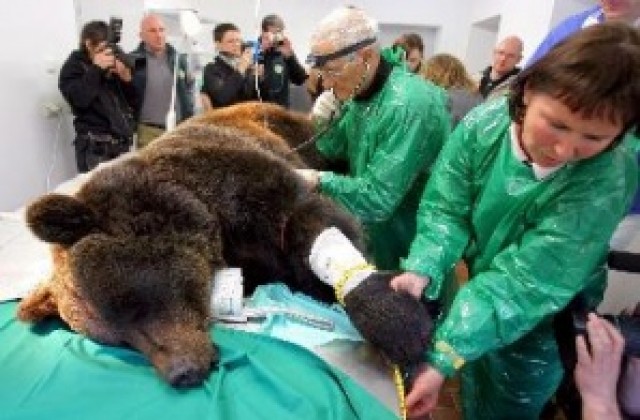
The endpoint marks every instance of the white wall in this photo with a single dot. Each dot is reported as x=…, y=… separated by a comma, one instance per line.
x=37, y=38
x=482, y=39
x=40, y=34
x=529, y=19
x=130, y=11
x=301, y=17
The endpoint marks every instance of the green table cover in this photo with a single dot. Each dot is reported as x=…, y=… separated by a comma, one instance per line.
x=49, y=372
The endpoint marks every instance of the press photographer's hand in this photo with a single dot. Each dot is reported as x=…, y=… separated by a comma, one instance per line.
x=285, y=47
x=103, y=57
x=122, y=71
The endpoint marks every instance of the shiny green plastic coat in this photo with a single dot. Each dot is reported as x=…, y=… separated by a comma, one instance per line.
x=390, y=141
x=531, y=247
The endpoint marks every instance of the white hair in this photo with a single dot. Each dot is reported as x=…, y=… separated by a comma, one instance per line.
x=344, y=27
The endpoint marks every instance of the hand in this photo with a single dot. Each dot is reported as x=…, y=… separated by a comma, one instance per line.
x=325, y=108
x=597, y=371
x=122, y=71
x=103, y=57
x=410, y=283
x=286, y=48
x=246, y=60
x=423, y=396
x=311, y=177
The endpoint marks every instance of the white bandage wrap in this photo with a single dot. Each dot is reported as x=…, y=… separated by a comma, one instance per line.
x=332, y=254
x=226, y=298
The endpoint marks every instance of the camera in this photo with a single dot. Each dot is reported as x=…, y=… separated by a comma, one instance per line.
x=114, y=33
x=258, y=55
x=628, y=325
x=248, y=45
x=276, y=38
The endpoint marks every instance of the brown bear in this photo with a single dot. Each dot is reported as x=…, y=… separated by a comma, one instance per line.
x=136, y=248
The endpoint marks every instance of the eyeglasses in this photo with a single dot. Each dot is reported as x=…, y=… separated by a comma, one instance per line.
x=333, y=73
x=506, y=54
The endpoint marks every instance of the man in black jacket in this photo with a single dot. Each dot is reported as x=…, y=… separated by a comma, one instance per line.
x=496, y=79
x=230, y=78
x=277, y=62
x=98, y=88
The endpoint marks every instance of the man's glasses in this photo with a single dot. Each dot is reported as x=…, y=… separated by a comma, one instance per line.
x=317, y=60
x=325, y=73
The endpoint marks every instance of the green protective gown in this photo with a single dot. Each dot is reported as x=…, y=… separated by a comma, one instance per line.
x=531, y=246
x=390, y=140
x=49, y=372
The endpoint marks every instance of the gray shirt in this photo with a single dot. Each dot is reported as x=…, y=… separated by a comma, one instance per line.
x=157, y=93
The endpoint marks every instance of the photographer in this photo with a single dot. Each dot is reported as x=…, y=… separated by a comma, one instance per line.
x=230, y=78
x=98, y=88
x=278, y=61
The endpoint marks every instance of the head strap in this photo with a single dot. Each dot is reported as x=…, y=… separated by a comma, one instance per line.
x=314, y=60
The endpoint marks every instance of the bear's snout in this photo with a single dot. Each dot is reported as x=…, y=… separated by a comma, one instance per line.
x=183, y=372
x=182, y=354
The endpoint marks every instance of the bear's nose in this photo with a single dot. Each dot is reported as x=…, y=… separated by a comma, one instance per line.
x=186, y=373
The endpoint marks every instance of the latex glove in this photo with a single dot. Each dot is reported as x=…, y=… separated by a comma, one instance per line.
x=311, y=177
x=410, y=283
x=423, y=396
x=325, y=108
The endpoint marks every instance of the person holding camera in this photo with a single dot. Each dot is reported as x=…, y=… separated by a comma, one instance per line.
x=230, y=78
x=277, y=62
x=161, y=69
x=98, y=88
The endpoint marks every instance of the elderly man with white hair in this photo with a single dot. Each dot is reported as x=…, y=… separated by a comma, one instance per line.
x=388, y=124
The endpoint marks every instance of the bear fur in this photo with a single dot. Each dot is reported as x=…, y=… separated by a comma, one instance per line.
x=136, y=248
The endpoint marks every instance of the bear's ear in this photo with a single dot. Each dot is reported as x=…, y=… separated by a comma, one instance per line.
x=60, y=219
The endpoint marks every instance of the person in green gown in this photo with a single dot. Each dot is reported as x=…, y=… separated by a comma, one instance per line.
x=388, y=124
x=528, y=191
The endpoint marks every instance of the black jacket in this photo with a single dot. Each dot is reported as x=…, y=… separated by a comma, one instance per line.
x=278, y=73
x=101, y=103
x=487, y=85
x=225, y=86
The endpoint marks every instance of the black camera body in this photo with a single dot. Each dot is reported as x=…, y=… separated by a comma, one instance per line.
x=114, y=34
x=628, y=325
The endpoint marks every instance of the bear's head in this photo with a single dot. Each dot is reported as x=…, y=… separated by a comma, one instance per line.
x=133, y=265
